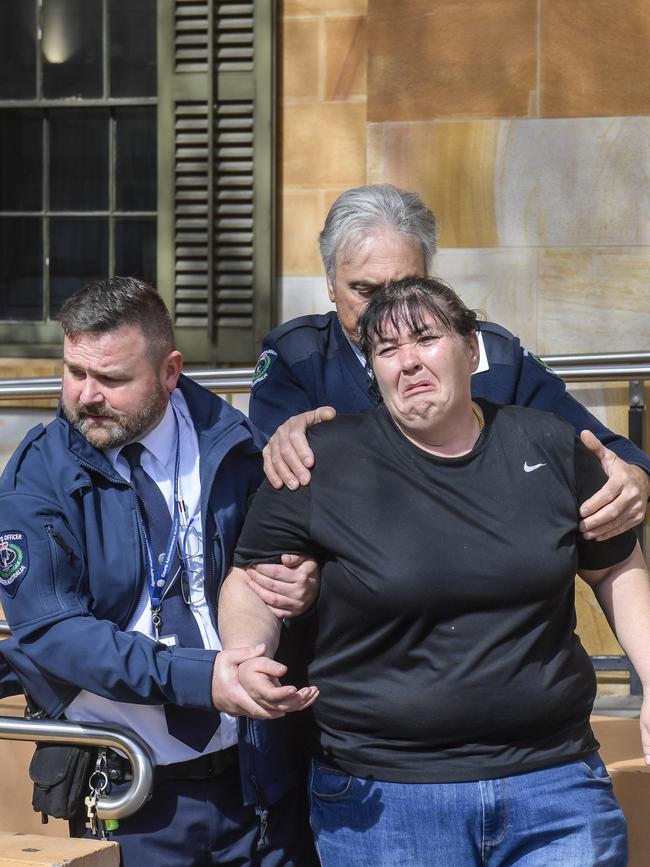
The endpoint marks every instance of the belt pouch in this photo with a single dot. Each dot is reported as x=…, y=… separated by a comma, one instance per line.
x=60, y=773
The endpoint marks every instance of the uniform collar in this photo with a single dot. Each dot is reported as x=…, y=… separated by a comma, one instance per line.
x=359, y=354
x=483, y=363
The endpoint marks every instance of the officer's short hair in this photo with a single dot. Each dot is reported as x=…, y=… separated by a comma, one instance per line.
x=360, y=211
x=105, y=305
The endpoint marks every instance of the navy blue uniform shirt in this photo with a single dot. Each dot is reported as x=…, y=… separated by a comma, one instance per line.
x=308, y=362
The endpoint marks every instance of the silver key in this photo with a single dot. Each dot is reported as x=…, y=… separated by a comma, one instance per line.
x=91, y=811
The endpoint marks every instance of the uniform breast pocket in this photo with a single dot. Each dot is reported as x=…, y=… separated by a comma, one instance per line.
x=65, y=567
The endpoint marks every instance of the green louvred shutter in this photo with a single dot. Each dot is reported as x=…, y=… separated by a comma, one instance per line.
x=216, y=172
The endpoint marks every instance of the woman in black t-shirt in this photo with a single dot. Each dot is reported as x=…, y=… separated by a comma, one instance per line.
x=450, y=722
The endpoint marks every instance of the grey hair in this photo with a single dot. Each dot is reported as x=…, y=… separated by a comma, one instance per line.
x=357, y=212
x=106, y=305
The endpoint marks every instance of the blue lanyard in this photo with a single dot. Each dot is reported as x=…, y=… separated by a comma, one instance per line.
x=158, y=577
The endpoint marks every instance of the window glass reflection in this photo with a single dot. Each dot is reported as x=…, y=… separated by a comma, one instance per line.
x=136, y=179
x=132, y=52
x=21, y=263
x=72, y=48
x=79, y=159
x=21, y=160
x=78, y=254
x=135, y=249
x=18, y=49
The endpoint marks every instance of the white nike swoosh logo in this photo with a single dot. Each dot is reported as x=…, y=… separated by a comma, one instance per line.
x=529, y=469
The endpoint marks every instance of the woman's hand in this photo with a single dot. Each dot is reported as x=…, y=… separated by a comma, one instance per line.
x=228, y=695
x=259, y=678
x=245, y=683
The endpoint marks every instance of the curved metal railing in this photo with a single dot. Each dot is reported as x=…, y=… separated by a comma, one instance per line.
x=65, y=731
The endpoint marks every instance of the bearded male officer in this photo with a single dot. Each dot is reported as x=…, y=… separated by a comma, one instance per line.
x=118, y=522
x=372, y=236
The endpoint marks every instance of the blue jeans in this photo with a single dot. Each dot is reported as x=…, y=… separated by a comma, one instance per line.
x=564, y=816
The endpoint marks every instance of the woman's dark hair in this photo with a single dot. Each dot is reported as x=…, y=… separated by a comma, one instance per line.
x=405, y=303
x=106, y=305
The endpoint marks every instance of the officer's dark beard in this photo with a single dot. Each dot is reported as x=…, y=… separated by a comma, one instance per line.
x=124, y=427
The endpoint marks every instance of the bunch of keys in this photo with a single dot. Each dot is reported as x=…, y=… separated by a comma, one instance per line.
x=98, y=783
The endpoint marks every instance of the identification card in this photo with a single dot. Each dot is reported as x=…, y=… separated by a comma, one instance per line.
x=169, y=640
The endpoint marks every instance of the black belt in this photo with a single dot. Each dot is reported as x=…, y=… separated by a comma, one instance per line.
x=201, y=768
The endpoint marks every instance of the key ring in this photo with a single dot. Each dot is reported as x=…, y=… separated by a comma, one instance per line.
x=98, y=782
x=156, y=621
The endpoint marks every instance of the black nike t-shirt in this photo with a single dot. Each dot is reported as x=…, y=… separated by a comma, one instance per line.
x=443, y=641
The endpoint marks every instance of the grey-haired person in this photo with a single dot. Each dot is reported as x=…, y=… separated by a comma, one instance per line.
x=312, y=366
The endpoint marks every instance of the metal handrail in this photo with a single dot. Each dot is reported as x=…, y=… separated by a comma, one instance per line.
x=607, y=372
x=597, y=359
x=572, y=368
x=228, y=380
x=118, y=738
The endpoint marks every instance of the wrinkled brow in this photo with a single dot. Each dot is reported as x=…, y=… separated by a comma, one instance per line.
x=397, y=320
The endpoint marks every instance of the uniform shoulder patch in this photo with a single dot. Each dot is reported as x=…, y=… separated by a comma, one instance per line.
x=263, y=367
x=14, y=561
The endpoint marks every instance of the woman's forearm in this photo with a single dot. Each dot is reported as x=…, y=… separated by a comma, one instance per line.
x=623, y=593
x=243, y=618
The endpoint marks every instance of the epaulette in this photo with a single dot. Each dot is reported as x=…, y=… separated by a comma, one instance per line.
x=493, y=328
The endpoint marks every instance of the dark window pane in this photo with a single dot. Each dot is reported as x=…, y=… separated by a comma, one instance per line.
x=72, y=48
x=21, y=269
x=135, y=249
x=18, y=49
x=21, y=160
x=78, y=254
x=136, y=159
x=79, y=159
x=132, y=39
